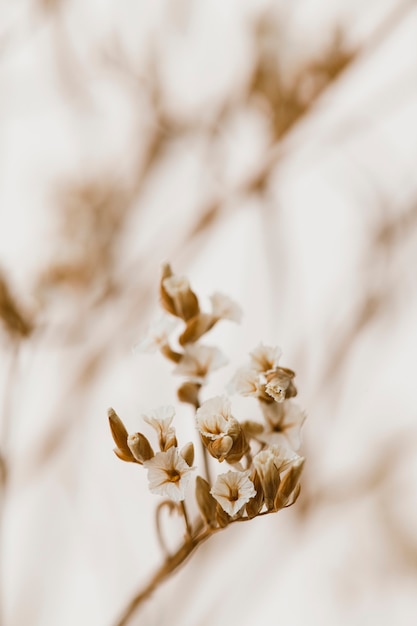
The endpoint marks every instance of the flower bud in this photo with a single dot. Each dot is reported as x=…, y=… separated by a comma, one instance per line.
x=140, y=447
x=289, y=485
x=187, y=453
x=176, y=295
x=120, y=435
x=188, y=392
x=206, y=503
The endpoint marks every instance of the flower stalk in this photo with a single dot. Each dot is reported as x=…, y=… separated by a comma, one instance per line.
x=259, y=459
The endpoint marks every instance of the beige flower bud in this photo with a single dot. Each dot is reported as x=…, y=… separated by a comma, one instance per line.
x=255, y=504
x=120, y=435
x=239, y=448
x=279, y=384
x=140, y=447
x=289, y=488
x=222, y=518
x=268, y=473
x=176, y=295
x=196, y=327
x=206, y=503
x=219, y=448
x=187, y=453
x=188, y=392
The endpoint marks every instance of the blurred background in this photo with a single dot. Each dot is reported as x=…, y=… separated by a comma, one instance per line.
x=267, y=150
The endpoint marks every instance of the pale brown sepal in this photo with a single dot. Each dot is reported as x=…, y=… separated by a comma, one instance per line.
x=219, y=448
x=187, y=453
x=166, y=301
x=289, y=484
x=120, y=436
x=188, y=392
x=206, y=503
x=170, y=354
x=196, y=327
x=252, y=429
x=140, y=447
x=222, y=518
x=255, y=504
x=239, y=449
x=124, y=457
x=177, y=297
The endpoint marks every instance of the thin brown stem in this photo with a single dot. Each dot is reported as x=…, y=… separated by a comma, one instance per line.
x=173, y=562
x=170, y=565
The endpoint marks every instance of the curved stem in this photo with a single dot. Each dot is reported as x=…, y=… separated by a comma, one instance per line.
x=171, y=564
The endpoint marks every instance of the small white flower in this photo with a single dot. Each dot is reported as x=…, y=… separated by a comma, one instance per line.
x=168, y=474
x=233, y=490
x=265, y=358
x=280, y=455
x=160, y=419
x=225, y=308
x=246, y=382
x=214, y=418
x=284, y=421
x=198, y=361
x=157, y=336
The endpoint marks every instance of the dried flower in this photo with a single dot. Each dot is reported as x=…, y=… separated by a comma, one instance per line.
x=198, y=361
x=177, y=296
x=160, y=419
x=140, y=447
x=279, y=384
x=233, y=490
x=157, y=336
x=265, y=358
x=168, y=474
x=284, y=421
x=225, y=308
x=269, y=463
x=220, y=431
x=246, y=382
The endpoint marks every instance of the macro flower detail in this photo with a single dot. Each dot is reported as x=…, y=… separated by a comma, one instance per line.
x=222, y=434
x=177, y=296
x=225, y=308
x=278, y=384
x=269, y=463
x=266, y=468
x=233, y=490
x=198, y=361
x=160, y=419
x=168, y=474
x=246, y=382
x=265, y=358
x=283, y=424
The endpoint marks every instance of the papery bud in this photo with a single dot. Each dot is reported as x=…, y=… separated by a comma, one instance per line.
x=222, y=517
x=219, y=448
x=187, y=453
x=255, y=504
x=176, y=295
x=170, y=354
x=239, y=449
x=289, y=484
x=140, y=447
x=120, y=435
x=196, y=327
x=279, y=384
x=268, y=473
x=251, y=429
x=206, y=503
x=189, y=392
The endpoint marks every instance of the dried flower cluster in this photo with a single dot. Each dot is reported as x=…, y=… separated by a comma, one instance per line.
x=264, y=465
